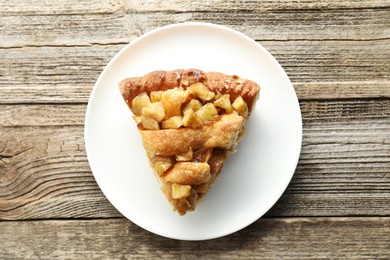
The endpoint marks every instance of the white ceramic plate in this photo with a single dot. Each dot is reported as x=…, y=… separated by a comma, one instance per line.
x=252, y=180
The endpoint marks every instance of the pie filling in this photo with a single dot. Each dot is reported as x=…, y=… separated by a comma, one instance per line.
x=199, y=128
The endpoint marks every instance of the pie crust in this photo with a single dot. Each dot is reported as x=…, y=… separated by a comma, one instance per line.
x=187, y=149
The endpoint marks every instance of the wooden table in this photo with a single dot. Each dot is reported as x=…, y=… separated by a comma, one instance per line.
x=337, y=55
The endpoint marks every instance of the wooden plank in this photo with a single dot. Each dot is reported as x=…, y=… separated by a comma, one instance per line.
x=51, y=74
x=117, y=22
x=318, y=70
x=42, y=115
x=346, y=89
x=343, y=170
x=282, y=25
x=333, y=61
x=45, y=173
x=70, y=7
x=296, y=238
x=248, y=5
x=340, y=132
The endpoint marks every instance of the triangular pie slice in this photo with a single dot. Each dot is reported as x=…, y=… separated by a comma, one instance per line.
x=189, y=121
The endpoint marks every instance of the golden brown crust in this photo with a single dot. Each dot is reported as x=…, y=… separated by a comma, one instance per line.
x=189, y=204
x=215, y=81
x=188, y=173
x=209, y=145
x=168, y=142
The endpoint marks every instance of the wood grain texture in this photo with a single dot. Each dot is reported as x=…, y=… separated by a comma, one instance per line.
x=344, y=168
x=118, y=21
x=45, y=173
x=41, y=115
x=318, y=70
x=249, y=5
x=337, y=55
x=70, y=7
x=291, y=238
x=329, y=49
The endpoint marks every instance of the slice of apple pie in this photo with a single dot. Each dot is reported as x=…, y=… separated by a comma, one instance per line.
x=189, y=121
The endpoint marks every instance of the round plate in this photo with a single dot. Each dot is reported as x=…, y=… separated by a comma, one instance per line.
x=251, y=181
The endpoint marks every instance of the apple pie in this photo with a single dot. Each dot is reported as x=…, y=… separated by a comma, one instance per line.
x=189, y=121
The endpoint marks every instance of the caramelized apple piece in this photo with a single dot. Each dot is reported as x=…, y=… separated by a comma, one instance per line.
x=155, y=96
x=218, y=95
x=155, y=111
x=240, y=106
x=201, y=91
x=224, y=102
x=149, y=123
x=172, y=99
x=194, y=104
x=162, y=164
x=190, y=119
x=137, y=119
x=207, y=113
x=173, y=122
x=180, y=191
x=184, y=157
x=139, y=102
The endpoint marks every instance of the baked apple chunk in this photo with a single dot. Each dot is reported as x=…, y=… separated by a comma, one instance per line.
x=189, y=121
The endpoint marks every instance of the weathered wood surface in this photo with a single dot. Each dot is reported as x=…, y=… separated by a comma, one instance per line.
x=318, y=70
x=118, y=21
x=61, y=48
x=337, y=55
x=279, y=238
x=343, y=170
